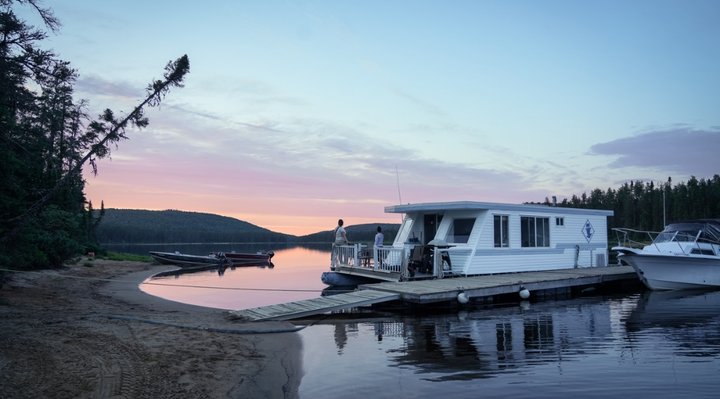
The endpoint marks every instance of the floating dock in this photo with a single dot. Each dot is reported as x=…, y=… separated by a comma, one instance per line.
x=440, y=290
x=309, y=307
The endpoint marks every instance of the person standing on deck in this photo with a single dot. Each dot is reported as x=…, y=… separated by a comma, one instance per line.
x=340, y=239
x=379, y=238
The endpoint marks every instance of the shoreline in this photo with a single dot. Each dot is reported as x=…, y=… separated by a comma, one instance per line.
x=72, y=333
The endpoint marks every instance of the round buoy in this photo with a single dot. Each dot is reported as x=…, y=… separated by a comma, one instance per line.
x=462, y=298
x=524, y=293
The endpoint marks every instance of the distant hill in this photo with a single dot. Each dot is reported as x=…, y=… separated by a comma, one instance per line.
x=171, y=226
x=358, y=233
x=129, y=226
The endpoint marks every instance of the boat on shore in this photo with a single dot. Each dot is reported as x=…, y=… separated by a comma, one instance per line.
x=186, y=260
x=248, y=257
x=467, y=238
x=261, y=258
x=685, y=255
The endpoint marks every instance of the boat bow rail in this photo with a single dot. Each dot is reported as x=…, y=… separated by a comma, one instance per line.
x=668, y=241
x=631, y=238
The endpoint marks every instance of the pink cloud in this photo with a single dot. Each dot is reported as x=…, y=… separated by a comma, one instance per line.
x=295, y=178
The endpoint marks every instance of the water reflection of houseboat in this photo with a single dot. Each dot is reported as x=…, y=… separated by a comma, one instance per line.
x=481, y=343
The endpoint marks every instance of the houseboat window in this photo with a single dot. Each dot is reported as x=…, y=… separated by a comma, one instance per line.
x=462, y=229
x=534, y=232
x=559, y=221
x=501, y=231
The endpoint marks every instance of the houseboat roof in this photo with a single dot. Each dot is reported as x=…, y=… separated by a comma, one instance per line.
x=475, y=205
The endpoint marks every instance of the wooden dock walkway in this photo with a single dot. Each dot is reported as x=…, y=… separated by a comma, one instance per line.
x=439, y=290
x=308, y=307
x=428, y=291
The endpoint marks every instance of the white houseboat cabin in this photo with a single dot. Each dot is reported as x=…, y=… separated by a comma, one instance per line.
x=474, y=238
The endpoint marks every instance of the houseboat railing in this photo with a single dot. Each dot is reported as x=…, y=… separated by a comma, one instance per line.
x=346, y=255
x=389, y=259
x=386, y=259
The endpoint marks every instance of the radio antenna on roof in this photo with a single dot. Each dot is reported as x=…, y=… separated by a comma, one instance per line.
x=397, y=176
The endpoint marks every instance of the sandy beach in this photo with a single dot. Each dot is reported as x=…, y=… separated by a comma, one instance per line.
x=88, y=331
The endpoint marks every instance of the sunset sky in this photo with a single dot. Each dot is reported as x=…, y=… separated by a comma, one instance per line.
x=297, y=113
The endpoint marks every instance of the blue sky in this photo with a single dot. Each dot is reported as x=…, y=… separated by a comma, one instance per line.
x=296, y=113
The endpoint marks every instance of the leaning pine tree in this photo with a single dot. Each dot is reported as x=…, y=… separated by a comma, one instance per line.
x=45, y=141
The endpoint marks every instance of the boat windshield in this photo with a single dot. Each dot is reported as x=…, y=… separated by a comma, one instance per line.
x=709, y=232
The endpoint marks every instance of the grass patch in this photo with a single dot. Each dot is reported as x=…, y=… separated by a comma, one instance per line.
x=121, y=256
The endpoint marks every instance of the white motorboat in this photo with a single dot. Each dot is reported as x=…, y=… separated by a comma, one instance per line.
x=684, y=255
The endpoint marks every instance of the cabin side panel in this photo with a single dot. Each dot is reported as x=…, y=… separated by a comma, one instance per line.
x=568, y=245
x=585, y=236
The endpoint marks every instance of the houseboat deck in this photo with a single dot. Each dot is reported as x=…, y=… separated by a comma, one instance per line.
x=439, y=290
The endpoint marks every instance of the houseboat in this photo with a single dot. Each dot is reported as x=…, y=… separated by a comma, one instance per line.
x=465, y=238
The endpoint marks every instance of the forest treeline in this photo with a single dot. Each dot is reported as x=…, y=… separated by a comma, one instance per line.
x=650, y=206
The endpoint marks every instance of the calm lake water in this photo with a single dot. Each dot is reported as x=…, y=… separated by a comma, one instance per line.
x=638, y=344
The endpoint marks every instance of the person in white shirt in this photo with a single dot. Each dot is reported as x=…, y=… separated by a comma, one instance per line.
x=340, y=239
x=340, y=234
x=379, y=238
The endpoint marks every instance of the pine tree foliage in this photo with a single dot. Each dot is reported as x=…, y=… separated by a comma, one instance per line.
x=46, y=138
x=650, y=206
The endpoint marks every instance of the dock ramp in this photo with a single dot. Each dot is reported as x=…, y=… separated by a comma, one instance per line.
x=308, y=307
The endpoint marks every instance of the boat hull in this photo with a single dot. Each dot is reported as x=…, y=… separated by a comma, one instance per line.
x=185, y=260
x=673, y=272
x=248, y=257
x=344, y=280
